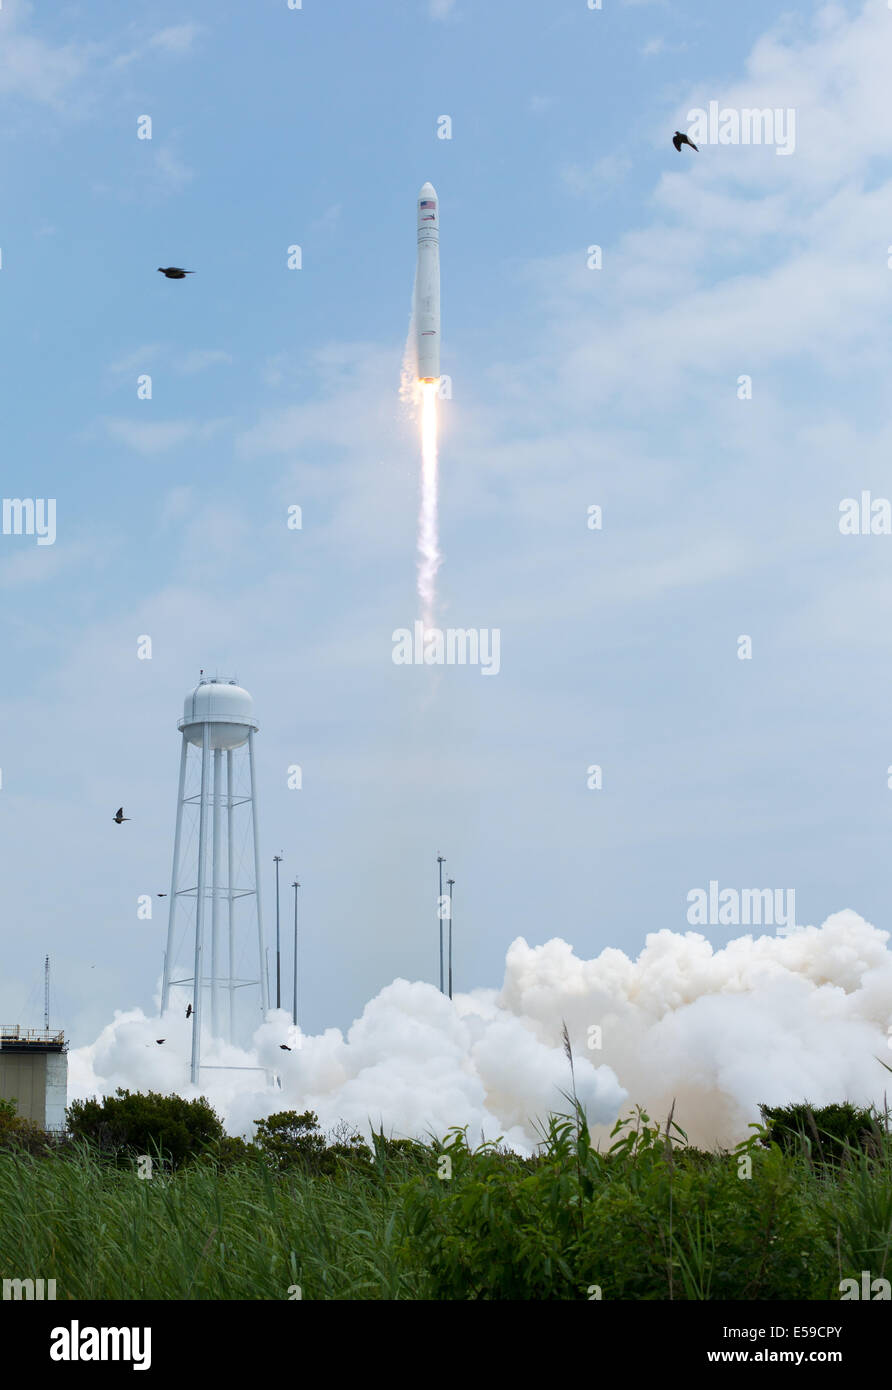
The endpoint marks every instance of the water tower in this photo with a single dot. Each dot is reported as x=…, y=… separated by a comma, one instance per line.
x=215, y=924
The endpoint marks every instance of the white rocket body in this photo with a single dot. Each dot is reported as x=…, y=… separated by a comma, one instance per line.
x=427, y=285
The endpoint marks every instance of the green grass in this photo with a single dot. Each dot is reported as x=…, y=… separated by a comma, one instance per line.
x=243, y=1233
x=645, y=1218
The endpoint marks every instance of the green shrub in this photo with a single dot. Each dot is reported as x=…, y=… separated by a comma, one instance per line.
x=639, y=1222
x=19, y=1133
x=288, y=1139
x=169, y=1128
x=231, y=1150
x=826, y=1133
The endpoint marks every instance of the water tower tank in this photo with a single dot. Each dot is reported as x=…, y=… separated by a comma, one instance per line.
x=225, y=706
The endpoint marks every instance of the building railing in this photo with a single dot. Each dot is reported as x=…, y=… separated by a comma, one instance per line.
x=12, y=1032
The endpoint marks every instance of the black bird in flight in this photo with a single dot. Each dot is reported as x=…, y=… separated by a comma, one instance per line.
x=173, y=272
x=159, y=1041
x=284, y=1047
x=679, y=139
x=120, y=816
x=188, y=1010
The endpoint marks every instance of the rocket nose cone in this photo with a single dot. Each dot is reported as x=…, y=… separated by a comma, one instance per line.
x=428, y=191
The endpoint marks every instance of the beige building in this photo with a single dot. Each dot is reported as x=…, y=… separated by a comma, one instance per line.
x=34, y=1073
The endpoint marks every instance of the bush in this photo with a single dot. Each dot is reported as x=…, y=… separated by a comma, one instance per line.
x=19, y=1133
x=288, y=1139
x=167, y=1127
x=401, y=1157
x=230, y=1151
x=825, y=1133
x=639, y=1222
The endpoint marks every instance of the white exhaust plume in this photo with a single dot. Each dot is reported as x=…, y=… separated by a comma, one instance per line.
x=420, y=400
x=769, y=1019
x=429, y=558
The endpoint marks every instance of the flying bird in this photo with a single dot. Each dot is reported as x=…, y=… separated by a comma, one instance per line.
x=188, y=1010
x=284, y=1047
x=679, y=139
x=159, y=1041
x=119, y=816
x=174, y=272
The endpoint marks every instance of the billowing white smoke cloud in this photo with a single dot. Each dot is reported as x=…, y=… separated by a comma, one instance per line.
x=768, y=1019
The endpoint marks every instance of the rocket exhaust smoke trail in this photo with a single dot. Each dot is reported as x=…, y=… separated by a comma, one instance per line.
x=428, y=539
x=426, y=325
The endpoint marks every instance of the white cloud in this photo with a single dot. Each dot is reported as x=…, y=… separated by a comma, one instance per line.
x=33, y=68
x=41, y=71
x=28, y=563
x=327, y=222
x=836, y=80
x=157, y=437
x=199, y=359
x=178, y=504
x=186, y=363
x=177, y=38
x=598, y=178
x=136, y=360
x=171, y=173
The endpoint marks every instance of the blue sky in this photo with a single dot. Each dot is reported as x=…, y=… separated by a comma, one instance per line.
x=570, y=387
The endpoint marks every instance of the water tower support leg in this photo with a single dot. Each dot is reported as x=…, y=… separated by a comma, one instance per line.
x=199, y=906
x=174, y=881
x=215, y=900
x=264, y=993
x=230, y=885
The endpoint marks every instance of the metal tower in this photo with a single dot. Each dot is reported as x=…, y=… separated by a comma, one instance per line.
x=214, y=905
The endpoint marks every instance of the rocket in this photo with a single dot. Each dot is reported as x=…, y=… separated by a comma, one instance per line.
x=427, y=285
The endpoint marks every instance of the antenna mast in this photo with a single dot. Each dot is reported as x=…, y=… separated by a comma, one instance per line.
x=46, y=995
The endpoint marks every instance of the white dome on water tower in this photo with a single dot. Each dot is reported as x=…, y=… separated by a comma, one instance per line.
x=225, y=706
